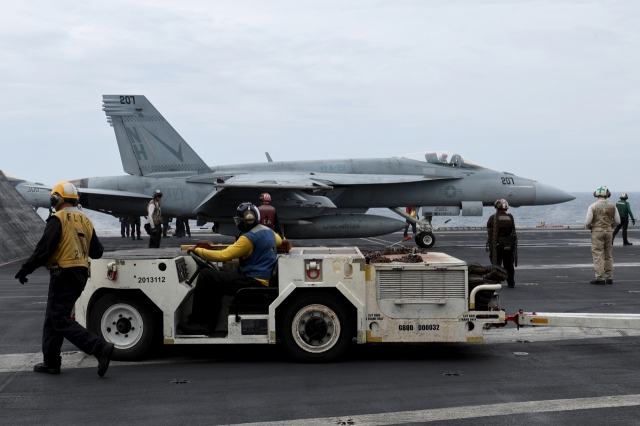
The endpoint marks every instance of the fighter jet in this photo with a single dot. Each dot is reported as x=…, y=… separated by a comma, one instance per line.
x=37, y=194
x=314, y=199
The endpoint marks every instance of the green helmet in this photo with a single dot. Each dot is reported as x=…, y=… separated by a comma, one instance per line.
x=157, y=193
x=624, y=196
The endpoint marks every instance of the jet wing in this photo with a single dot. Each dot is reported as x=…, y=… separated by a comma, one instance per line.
x=286, y=197
x=113, y=201
x=316, y=181
x=265, y=181
x=368, y=179
x=289, y=187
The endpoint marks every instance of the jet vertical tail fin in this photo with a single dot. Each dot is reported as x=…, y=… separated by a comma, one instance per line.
x=147, y=142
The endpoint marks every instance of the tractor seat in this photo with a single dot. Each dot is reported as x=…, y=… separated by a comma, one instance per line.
x=253, y=300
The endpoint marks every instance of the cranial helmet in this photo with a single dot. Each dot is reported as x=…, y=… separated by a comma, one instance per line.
x=603, y=191
x=157, y=193
x=624, y=196
x=63, y=191
x=501, y=204
x=247, y=216
x=265, y=197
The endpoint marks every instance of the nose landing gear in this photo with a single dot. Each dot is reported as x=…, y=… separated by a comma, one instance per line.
x=424, y=238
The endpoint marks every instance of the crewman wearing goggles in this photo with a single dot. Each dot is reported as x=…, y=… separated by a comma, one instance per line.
x=68, y=242
x=256, y=248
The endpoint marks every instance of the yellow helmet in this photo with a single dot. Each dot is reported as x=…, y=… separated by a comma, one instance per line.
x=66, y=190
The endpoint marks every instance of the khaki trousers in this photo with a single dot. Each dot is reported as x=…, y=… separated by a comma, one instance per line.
x=602, y=251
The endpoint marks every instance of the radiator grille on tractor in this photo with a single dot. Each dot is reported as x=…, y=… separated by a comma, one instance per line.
x=416, y=284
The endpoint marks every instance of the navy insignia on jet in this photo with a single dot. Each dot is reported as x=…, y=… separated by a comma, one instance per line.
x=450, y=191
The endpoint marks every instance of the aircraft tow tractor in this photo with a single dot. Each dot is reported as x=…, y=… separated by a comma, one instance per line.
x=319, y=300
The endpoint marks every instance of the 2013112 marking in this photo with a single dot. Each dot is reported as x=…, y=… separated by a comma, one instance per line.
x=142, y=280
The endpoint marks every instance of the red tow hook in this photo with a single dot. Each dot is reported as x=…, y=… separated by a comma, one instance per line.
x=515, y=318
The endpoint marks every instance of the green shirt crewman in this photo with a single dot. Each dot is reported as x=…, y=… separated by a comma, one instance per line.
x=624, y=209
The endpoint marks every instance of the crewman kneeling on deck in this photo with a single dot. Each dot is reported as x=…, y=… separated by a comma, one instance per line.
x=257, y=250
x=68, y=242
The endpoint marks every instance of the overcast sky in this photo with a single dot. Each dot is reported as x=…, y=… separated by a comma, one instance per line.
x=544, y=89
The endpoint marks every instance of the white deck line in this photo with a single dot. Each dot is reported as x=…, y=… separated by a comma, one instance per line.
x=465, y=412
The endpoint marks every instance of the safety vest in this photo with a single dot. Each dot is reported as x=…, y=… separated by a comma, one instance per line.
x=73, y=247
x=623, y=208
x=157, y=213
x=505, y=223
x=267, y=216
x=262, y=260
x=604, y=213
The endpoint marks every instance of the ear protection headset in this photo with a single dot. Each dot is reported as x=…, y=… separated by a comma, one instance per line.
x=248, y=214
x=55, y=200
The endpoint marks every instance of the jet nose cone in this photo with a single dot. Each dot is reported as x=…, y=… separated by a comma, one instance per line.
x=547, y=194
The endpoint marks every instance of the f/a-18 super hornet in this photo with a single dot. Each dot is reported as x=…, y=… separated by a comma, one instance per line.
x=314, y=199
x=37, y=194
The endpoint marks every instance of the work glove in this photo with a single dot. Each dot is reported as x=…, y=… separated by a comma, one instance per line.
x=22, y=276
x=633, y=221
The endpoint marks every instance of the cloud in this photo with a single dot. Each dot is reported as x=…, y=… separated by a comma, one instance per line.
x=545, y=89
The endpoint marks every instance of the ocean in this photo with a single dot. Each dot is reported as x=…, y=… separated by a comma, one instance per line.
x=571, y=213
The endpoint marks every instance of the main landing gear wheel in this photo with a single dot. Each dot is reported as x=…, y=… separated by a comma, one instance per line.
x=425, y=239
x=125, y=321
x=316, y=328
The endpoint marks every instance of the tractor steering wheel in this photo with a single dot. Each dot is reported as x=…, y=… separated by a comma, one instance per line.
x=202, y=264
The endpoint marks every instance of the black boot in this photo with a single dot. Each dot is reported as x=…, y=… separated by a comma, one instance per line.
x=44, y=368
x=104, y=359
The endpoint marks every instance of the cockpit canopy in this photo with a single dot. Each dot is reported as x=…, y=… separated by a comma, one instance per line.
x=444, y=158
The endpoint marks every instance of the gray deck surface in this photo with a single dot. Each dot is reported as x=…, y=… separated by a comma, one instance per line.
x=244, y=384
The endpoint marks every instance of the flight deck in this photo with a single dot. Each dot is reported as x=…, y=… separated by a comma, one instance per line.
x=529, y=376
